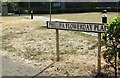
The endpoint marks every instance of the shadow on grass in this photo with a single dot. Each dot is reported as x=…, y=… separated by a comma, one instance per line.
x=105, y=73
x=41, y=27
x=96, y=45
x=43, y=70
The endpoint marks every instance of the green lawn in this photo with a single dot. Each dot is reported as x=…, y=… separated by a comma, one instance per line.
x=84, y=17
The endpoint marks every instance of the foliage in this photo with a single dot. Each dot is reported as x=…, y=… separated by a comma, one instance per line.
x=112, y=39
x=8, y=1
x=0, y=2
x=14, y=6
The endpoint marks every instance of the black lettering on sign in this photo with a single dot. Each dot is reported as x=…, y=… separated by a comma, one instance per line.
x=90, y=27
x=74, y=26
x=87, y=27
x=70, y=26
x=81, y=27
x=106, y=28
x=96, y=28
x=59, y=24
x=84, y=27
x=66, y=25
x=62, y=25
x=52, y=24
x=78, y=26
x=101, y=28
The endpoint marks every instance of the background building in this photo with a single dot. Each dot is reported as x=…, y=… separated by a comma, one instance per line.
x=64, y=7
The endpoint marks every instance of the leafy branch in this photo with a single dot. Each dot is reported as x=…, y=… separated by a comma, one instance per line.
x=112, y=39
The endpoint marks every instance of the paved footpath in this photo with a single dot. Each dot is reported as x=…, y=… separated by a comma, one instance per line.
x=42, y=18
x=15, y=66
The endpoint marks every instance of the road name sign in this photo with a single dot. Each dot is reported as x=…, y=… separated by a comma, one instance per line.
x=77, y=26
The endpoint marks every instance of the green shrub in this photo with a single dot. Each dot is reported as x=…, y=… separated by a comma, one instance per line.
x=112, y=39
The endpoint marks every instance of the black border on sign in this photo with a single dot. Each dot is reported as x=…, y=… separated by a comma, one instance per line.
x=77, y=23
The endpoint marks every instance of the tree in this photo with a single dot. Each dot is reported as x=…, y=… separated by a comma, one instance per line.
x=4, y=6
x=14, y=6
x=112, y=39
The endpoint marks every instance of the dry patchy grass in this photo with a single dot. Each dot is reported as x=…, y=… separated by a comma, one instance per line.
x=84, y=17
x=31, y=40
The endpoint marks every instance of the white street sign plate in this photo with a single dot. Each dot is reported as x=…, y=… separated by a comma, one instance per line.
x=77, y=26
